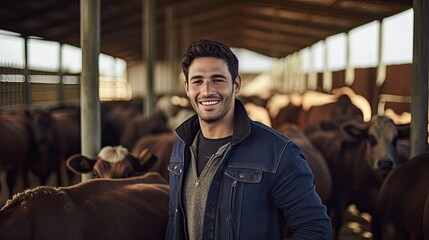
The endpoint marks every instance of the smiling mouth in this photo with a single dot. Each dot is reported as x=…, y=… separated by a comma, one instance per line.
x=209, y=103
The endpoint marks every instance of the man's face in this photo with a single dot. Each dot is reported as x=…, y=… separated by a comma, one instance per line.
x=210, y=89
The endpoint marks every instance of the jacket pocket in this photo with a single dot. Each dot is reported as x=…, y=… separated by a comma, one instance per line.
x=246, y=175
x=238, y=178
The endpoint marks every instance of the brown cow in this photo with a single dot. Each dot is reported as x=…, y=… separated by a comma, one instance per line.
x=312, y=107
x=161, y=146
x=131, y=208
x=112, y=162
x=403, y=202
x=57, y=134
x=359, y=156
x=16, y=147
x=315, y=159
x=113, y=115
x=342, y=107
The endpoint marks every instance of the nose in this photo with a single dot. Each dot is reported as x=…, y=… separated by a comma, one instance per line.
x=206, y=88
x=385, y=164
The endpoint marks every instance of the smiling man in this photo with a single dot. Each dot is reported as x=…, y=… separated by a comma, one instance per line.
x=231, y=177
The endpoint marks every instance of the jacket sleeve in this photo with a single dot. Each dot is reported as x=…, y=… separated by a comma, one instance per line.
x=295, y=193
x=173, y=219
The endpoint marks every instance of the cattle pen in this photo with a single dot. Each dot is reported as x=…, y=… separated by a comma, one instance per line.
x=129, y=55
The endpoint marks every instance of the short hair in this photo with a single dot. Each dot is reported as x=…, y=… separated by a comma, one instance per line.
x=209, y=48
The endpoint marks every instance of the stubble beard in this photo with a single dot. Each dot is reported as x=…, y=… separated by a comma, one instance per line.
x=213, y=118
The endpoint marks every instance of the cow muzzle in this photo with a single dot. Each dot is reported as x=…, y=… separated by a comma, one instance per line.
x=385, y=164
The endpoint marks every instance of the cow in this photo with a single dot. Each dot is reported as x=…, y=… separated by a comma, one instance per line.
x=16, y=147
x=112, y=162
x=312, y=107
x=113, y=115
x=161, y=146
x=130, y=208
x=359, y=155
x=57, y=135
x=315, y=159
x=342, y=107
x=139, y=126
x=403, y=202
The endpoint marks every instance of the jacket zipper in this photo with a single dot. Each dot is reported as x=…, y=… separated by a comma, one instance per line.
x=226, y=153
x=231, y=201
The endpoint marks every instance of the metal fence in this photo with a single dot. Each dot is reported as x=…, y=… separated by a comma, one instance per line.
x=37, y=89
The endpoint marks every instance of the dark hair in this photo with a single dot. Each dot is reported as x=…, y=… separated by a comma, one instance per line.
x=209, y=48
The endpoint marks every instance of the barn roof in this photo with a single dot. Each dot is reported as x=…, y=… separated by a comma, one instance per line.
x=274, y=28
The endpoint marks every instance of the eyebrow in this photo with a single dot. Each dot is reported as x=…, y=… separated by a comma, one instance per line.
x=217, y=76
x=211, y=76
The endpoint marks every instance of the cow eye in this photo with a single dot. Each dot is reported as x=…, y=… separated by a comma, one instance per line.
x=372, y=140
x=394, y=141
x=128, y=174
x=94, y=174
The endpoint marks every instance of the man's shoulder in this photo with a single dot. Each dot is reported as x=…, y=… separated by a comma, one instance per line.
x=266, y=132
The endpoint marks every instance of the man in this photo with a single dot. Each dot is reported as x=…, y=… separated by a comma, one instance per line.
x=231, y=177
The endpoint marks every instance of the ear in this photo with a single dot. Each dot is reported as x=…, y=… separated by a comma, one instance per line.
x=237, y=84
x=185, y=84
x=80, y=164
x=147, y=159
x=403, y=130
x=353, y=131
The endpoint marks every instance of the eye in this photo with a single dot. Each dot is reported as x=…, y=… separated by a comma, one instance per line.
x=196, y=81
x=394, y=141
x=372, y=139
x=95, y=174
x=128, y=174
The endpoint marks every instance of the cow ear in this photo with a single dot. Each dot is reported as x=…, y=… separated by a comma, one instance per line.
x=80, y=164
x=403, y=130
x=147, y=159
x=353, y=130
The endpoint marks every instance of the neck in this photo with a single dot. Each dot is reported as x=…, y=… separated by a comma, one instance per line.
x=216, y=130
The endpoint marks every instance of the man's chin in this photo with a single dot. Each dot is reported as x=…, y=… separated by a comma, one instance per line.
x=209, y=119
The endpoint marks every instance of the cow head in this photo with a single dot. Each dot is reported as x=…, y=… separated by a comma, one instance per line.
x=112, y=162
x=380, y=136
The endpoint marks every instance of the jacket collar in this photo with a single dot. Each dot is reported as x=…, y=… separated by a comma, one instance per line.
x=189, y=129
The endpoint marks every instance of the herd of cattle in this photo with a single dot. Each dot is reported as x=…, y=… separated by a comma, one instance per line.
x=355, y=158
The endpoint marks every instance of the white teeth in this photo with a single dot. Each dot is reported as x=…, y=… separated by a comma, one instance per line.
x=208, y=103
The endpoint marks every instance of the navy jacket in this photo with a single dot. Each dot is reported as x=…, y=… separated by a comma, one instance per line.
x=263, y=186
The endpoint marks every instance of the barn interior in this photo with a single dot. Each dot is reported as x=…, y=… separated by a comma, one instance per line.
x=156, y=32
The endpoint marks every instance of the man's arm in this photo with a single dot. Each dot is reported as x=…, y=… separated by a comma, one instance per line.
x=295, y=193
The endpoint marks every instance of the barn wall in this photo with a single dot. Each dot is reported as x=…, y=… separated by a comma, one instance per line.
x=398, y=82
x=319, y=82
x=338, y=79
x=364, y=84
